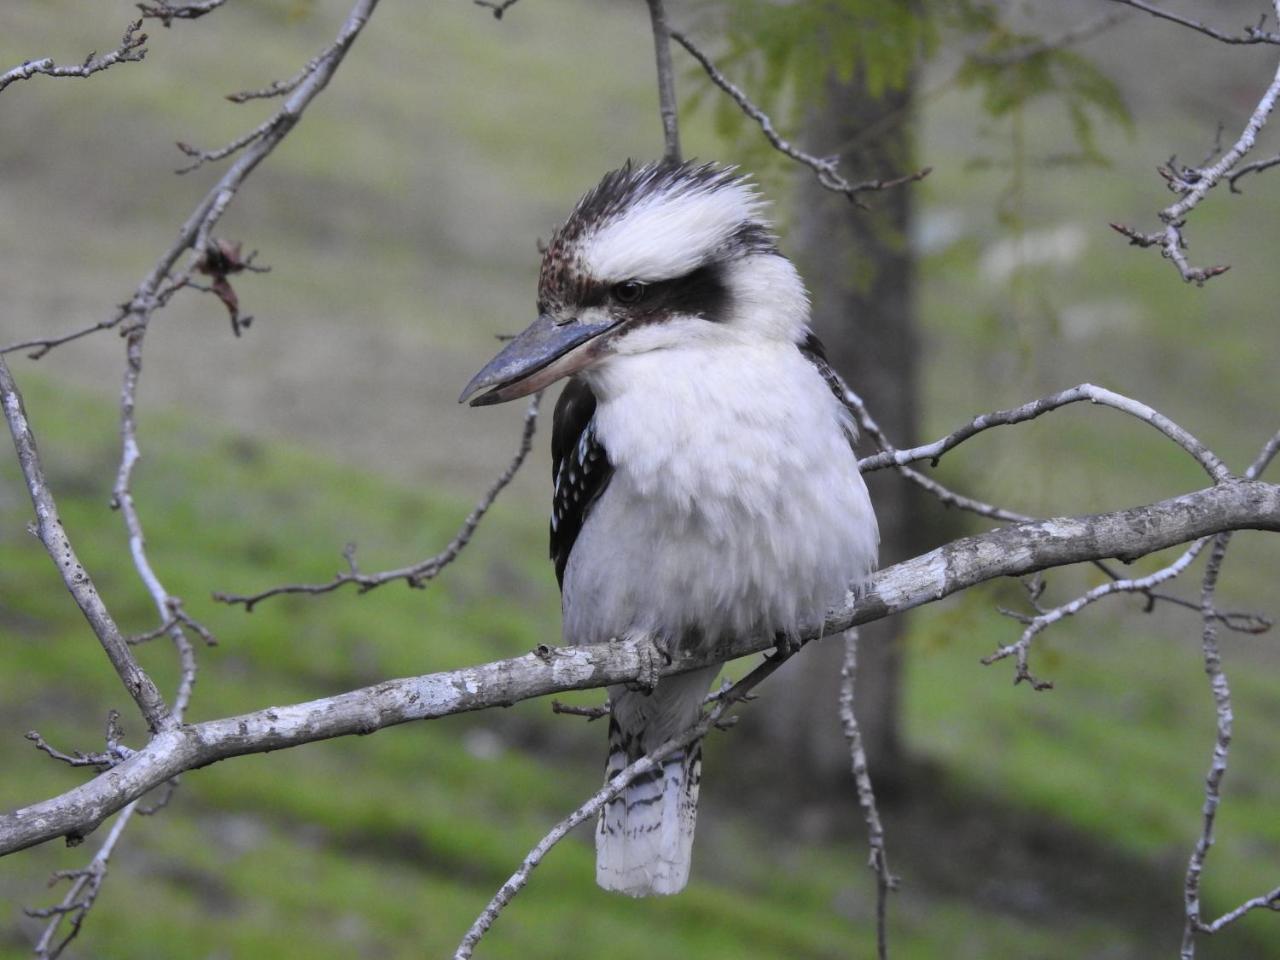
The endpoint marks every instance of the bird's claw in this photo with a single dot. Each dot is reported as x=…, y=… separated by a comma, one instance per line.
x=650, y=671
x=786, y=646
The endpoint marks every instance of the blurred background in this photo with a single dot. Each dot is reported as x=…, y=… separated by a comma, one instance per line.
x=400, y=221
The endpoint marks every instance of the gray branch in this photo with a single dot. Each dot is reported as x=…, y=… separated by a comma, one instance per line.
x=1010, y=551
x=827, y=169
x=58, y=545
x=195, y=233
x=418, y=574
x=1248, y=35
x=666, y=82
x=878, y=860
x=1192, y=184
x=131, y=49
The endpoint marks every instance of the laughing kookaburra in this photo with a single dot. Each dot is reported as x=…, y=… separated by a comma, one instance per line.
x=705, y=480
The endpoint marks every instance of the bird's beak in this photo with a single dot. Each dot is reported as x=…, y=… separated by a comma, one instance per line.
x=546, y=351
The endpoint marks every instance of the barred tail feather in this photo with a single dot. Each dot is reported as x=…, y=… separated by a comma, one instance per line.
x=644, y=837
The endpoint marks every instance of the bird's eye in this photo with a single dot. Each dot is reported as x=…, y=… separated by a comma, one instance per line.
x=628, y=291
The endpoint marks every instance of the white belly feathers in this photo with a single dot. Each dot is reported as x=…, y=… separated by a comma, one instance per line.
x=736, y=506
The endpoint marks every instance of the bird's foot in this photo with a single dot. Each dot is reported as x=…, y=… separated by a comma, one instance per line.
x=654, y=655
x=785, y=646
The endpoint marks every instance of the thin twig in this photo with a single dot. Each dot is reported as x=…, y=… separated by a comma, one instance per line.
x=101, y=761
x=890, y=456
x=58, y=545
x=945, y=495
x=1257, y=166
x=499, y=7
x=826, y=169
x=878, y=860
x=1221, y=748
x=1193, y=183
x=1268, y=901
x=1045, y=619
x=167, y=12
x=1249, y=34
x=86, y=884
x=507, y=892
x=196, y=233
x=1222, y=743
x=167, y=606
x=666, y=82
x=591, y=713
x=280, y=87
x=420, y=573
x=130, y=50
x=932, y=452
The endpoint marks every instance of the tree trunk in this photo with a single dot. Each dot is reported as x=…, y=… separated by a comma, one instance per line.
x=860, y=270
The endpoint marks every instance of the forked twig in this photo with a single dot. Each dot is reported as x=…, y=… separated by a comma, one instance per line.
x=131, y=50
x=507, y=892
x=878, y=858
x=419, y=574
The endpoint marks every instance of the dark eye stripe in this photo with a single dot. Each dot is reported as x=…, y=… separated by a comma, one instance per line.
x=702, y=293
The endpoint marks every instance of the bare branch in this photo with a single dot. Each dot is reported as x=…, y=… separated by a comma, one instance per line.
x=1222, y=743
x=1193, y=183
x=712, y=718
x=280, y=87
x=826, y=169
x=77, y=759
x=77, y=579
x=945, y=495
x=1258, y=166
x=1213, y=466
x=167, y=12
x=419, y=574
x=879, y=857
x=130, y=50
x=195, y=233
x=1022, y=647
x=1011, y=551
x=1269, y=901
x=666, y=82
x=1221, y=748
x=591, y=713
x=1248, y=35
x=499, y=7
x=86, y=883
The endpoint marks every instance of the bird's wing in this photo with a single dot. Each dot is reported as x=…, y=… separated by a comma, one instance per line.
x=813, y=351
x=580, y=468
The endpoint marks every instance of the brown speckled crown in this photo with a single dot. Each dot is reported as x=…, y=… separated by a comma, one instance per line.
x=562, y=279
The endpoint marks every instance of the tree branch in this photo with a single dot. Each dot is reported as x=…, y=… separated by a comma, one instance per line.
x=666, y=82
x=423, y=571
x=167, y=12
x=1216, y=469
x=1010, y=551
x=130, y=50
x=722, y=702
x=878, y=860
x=1221, y=691
x=826, y=169
x=1248, y=36
x=195, y=233
x=74, y=575
x=1193, y=183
